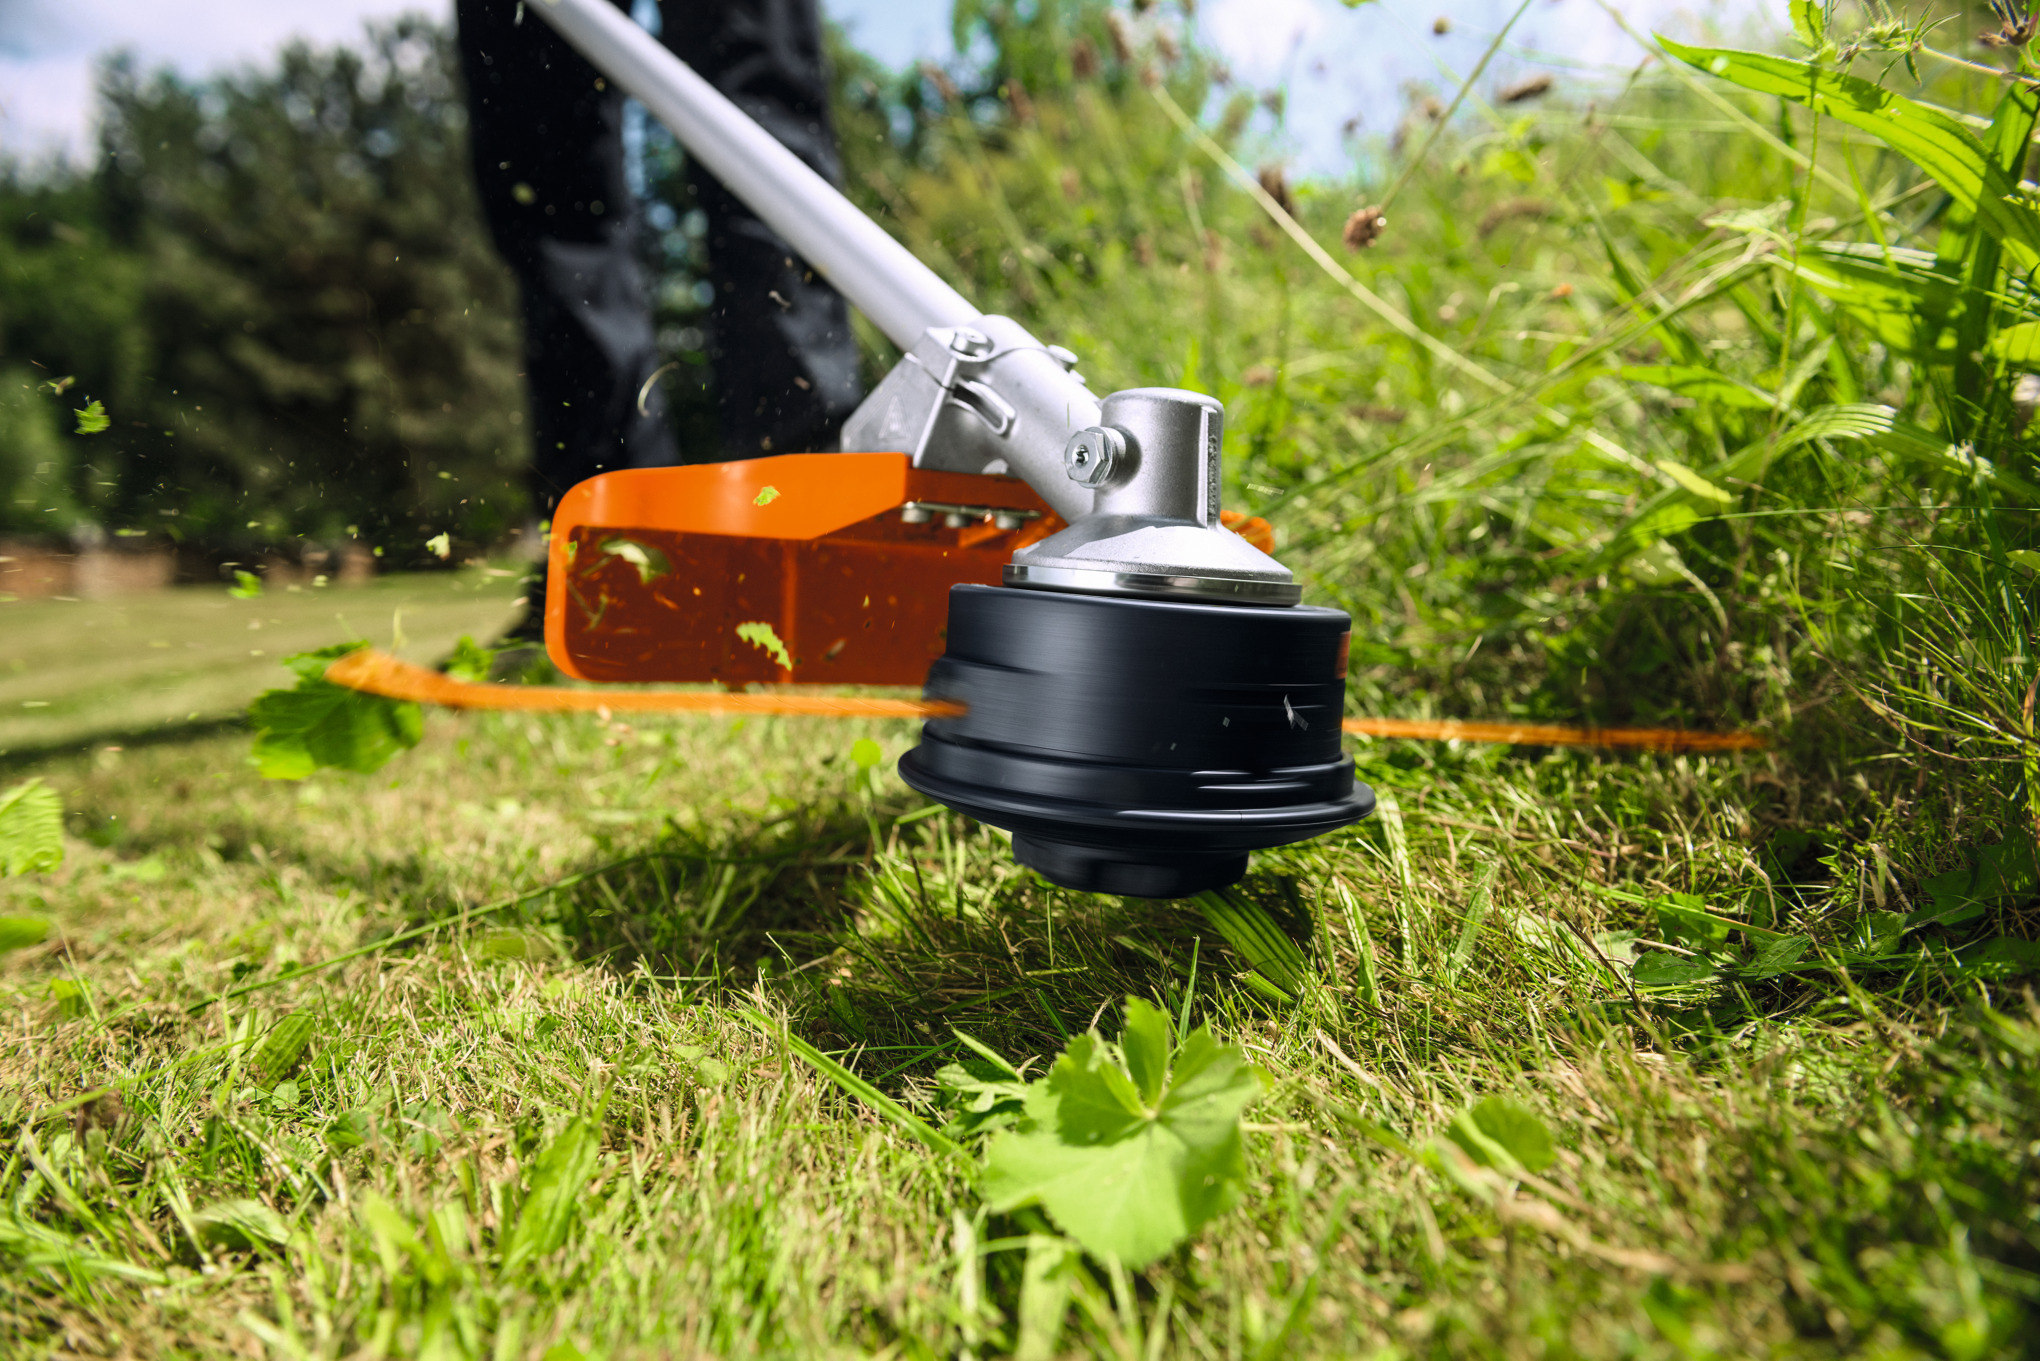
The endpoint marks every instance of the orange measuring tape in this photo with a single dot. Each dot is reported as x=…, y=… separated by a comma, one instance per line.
x=378, y=673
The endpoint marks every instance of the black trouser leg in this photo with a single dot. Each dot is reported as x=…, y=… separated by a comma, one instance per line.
x=548, y=156
x=786, y=367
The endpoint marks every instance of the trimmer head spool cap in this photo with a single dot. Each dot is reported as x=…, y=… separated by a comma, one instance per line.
x=1140, y=747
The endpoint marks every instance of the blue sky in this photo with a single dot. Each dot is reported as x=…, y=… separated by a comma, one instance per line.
x=1338, y=62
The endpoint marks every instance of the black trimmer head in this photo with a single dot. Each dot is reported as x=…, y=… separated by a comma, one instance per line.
x=1140, y=747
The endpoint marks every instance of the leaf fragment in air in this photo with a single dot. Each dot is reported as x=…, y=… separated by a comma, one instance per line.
x=761, y=634
x=321, y=724
x=649, y=561
x=31, y=829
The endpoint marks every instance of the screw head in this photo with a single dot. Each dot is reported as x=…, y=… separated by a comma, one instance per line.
x=970, y=344
x=1092, y=454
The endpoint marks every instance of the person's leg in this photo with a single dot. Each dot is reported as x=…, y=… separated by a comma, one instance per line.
x=786, y=367
x=546, y=136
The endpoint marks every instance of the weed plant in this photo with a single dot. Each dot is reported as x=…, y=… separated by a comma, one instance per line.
x=1693, y=404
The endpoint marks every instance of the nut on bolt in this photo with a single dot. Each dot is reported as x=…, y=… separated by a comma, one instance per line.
x=1091, y=455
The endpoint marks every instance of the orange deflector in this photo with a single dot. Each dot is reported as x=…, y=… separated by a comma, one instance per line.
x=843, y=560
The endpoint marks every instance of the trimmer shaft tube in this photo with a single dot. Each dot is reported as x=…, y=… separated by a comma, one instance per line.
x=1140, y=747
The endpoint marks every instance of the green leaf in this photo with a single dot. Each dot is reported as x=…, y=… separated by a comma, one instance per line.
x=649, y=561
x=1809, y=22
x=866, y=753
x=31, y=829
x=319, y=724
x=2001, y=957
x=760, y=634
x=18, y=933
x=240, y=1223
x=2005, y=870
x=1128, y=1180
x=1684, y=917
x=284, y=1047
x=1516, y=1127
x=1145, y=1046
x=92, y=418
x=1930, y=139
x=553, y=1202
x=470, y=662
x=1777, y=956
x=1503, y=1134
x=247, y=586
x=440, y=546
x=766, y=496
x=1659, y=969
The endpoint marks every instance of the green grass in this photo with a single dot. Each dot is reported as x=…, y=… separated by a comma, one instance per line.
x=74, y=671
x=1812, y=1162
x=1794, y=1115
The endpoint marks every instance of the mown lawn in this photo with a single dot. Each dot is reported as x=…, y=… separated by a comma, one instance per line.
x=124, y=666
x=1809, y=1160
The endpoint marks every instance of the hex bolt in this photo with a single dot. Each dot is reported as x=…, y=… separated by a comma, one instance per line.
x=914, y=513
x=1005, y=519
x=956, y=519
x=971, y=344
x=1091, y=455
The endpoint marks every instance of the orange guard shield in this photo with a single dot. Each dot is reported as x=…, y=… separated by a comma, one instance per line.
x=655, y=573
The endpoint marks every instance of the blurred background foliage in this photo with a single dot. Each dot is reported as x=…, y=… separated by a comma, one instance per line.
x=1626, y=415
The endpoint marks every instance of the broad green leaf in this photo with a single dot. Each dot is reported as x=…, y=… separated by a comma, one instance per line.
x=1503, y=1134
x=1684, y=917
x=1658, y=969
x=285, y=1046
x=649, y=561
x=1995, y=873
x=766, y=496
x=1145, y=1044
x=247, y=586
x=18, y=933
x=31, y=829
x=761, y=634
x=1809, y=22
x=1777, y=956
x=1516, y=1127
x=240, y=1223
x=470, y=661
x=2001, y=957
x=1930, y=139
x=866, y=753
x=320, y=724
x=558, y=1178
x=92, y=418
x=1702, y=385
x=2026, y=558
x=1127, y=1183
